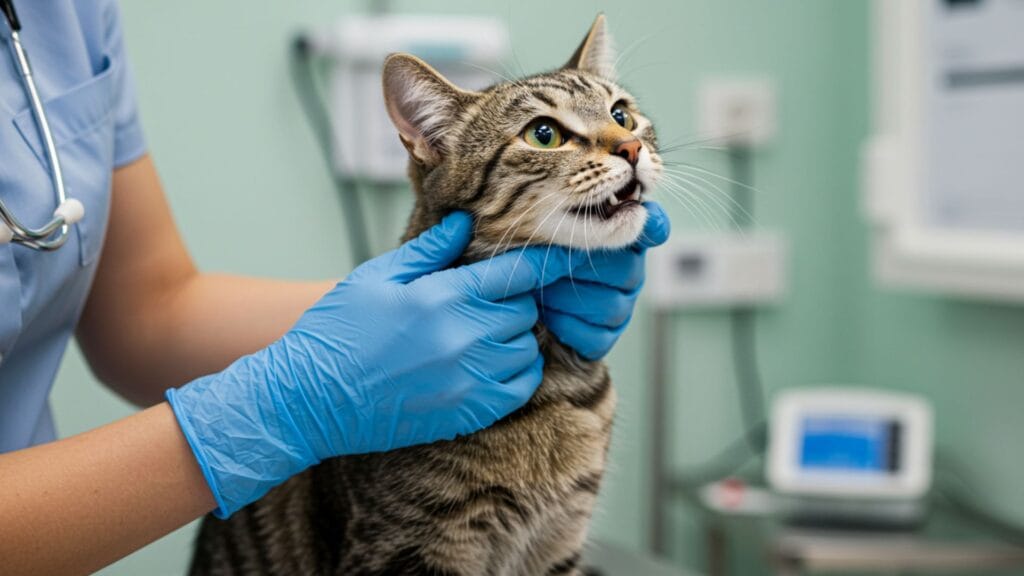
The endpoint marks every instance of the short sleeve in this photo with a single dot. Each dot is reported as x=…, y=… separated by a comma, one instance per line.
x=129, y=141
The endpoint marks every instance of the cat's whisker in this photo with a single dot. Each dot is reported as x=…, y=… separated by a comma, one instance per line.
x=686, y=165
x=527, y=212
x=691, y=207
x=517, y=76
x=687, y=148
x=676, y=140
x=551, y=243
x=712, y=216
x=727, y=201
x=512, y=229
x=519, y=259
x=502, y=247
x=692, y=203
x=572, y=236
x=515, y=224
x=629, y=49
x=719, y=196
x=724, y=138
x=492, y=71
x=586, y=241
x=714, y=204
x=636, y=69
x=515, y=58
x=694, y=193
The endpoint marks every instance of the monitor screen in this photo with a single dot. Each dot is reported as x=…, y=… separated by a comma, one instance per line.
x=843, y=443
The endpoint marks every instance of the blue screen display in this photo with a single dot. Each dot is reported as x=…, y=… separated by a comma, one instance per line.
x=851, y=444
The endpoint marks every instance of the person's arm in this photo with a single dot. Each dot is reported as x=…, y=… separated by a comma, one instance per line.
x=78, y=504
x=333, y=385
x=152, y=320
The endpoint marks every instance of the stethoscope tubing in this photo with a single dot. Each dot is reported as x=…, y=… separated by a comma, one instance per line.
x=68, y=211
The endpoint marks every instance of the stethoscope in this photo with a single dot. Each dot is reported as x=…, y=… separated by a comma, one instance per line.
x=54, y=233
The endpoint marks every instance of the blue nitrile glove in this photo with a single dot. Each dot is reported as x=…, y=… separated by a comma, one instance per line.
x=401, y=352
x=589, y=313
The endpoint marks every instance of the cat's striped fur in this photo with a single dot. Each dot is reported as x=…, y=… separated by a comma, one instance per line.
x=514, y=499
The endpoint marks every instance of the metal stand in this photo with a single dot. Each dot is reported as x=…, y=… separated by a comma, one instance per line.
x=658, y=433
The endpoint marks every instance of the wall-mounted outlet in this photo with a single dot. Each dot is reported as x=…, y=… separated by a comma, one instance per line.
x=740, y=111
x=718, y=270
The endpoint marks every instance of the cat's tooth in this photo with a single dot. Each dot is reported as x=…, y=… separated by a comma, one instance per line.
x=635, y=196
x=613, y=200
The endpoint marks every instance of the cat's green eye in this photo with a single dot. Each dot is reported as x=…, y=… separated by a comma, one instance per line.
x=622, y=116
x=543, y=133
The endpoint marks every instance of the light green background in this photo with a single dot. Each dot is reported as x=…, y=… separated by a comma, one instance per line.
x=239, y=164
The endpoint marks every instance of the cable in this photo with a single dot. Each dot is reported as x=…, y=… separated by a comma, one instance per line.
x=743, y=319
x=748, y=376
x=754, y=439
x=727, y=462
x=303, y=71
x=951, y=486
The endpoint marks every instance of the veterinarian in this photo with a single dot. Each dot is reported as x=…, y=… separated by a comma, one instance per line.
x=265, y=378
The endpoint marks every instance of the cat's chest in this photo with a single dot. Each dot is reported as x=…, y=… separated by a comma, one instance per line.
x=549, y=443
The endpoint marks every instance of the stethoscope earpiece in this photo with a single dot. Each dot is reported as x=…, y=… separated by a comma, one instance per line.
x=70, y=211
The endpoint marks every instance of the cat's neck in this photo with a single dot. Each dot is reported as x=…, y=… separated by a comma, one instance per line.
x=565, y=371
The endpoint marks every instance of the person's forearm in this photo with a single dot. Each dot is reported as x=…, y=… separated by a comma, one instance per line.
x=152, y=320
x=199, y=326
x=78, y=504
x=215, y=319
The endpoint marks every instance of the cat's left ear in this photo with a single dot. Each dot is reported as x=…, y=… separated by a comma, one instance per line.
x=423, y=105
x=595, y=54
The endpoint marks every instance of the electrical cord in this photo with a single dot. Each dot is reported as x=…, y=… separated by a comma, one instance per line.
x=727, y=462
x=303, y=70
x=754, y=439
x=743, y=319
x=951, y=488
x=748, y=377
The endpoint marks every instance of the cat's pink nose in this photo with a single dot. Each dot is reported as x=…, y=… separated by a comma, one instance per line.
x=629, y=149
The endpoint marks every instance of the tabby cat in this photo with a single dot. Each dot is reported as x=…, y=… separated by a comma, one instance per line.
x=563, y=157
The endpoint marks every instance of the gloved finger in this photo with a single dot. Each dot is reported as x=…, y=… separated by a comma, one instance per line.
x=501, y=361
x=493, y=401
x=519, y=388
x=656, y=229
x=589, y=341
x=519, y=271
x=507, y=319
x=622, y=269
x=429, y=252
x=593, y=303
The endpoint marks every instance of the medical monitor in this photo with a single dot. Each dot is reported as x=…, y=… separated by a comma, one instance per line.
x=850, y=443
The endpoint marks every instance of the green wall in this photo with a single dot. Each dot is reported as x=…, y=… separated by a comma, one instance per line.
x=238, y=162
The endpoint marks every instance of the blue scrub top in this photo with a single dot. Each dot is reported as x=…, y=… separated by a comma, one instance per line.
x=77, y=54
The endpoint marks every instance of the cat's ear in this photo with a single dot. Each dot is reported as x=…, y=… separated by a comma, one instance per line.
x=422, y=105
x=596, y=53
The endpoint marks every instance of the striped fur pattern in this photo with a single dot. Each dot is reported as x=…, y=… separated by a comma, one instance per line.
x=514, y=499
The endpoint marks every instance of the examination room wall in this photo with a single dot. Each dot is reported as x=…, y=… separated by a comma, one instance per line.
x=239, y=163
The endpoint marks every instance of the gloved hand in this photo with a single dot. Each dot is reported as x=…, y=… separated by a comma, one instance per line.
x=401, y=352
x=589, y=313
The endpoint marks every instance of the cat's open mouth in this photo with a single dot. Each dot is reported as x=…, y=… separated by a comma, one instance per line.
x=623, y=198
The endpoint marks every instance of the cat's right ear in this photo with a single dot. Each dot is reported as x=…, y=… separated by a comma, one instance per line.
x=423, y=105
x=595, y=54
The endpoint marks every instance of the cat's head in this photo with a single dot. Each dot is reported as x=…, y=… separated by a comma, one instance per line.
x=563, y=157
